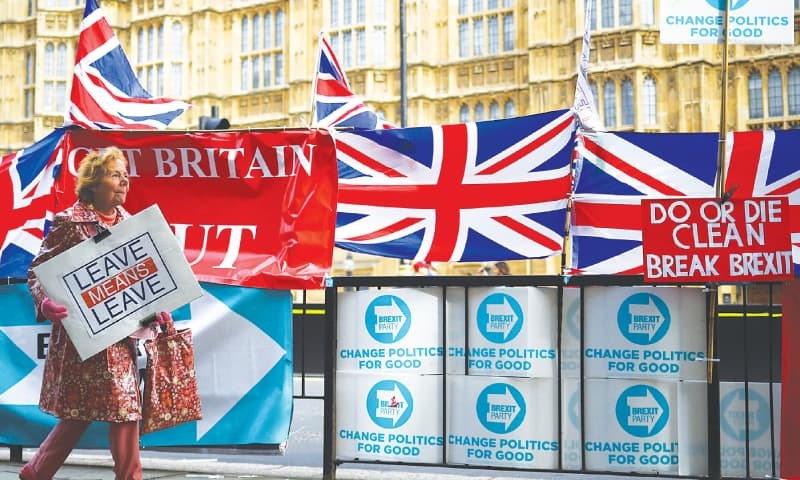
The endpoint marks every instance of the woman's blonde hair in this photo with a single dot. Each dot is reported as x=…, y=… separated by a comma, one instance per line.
x=92, y=168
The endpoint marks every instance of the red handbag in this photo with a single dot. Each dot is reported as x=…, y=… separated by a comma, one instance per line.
x=170, y=385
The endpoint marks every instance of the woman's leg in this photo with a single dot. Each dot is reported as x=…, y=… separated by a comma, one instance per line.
x=54, y=450
x=123, y=438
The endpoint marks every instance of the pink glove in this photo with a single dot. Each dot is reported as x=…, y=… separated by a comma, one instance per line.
x=53, y=311
x=162, y=318
x=156, y=320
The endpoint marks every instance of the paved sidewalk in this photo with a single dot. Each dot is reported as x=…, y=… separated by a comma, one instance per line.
x=98, y=467
x=81, y=466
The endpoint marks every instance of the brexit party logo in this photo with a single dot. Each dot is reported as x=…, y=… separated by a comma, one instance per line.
x=732, y=4
x=389, y=404
x=500, y=408
x=642, y=411
x=500, y=318
x=388, y=318
x=643, y=319
x=740, y=411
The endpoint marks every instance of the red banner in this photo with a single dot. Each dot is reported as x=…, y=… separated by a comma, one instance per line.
x=256, y=209
x=701, y=240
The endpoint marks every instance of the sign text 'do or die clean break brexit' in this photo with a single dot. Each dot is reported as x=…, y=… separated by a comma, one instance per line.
x=697, y=239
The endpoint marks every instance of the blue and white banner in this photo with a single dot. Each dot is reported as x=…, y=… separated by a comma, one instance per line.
x=749, y=21
x=243, y=357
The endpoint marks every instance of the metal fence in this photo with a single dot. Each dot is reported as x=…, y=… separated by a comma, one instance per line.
x=743, y=345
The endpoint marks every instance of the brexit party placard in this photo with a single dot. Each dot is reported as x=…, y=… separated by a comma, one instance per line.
x=110, y=285
x=513, y=331
x=645, y=426
x=745, y=419
x=645, y=332
x=749, y=21
x=390, y=417
x=497, y=421
x=398, y=330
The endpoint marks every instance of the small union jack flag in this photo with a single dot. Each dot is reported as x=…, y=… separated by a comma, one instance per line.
x=335, y=104
x=26, y=203
x=105, y=91
x=494, y=190
x=614, y=173
x=764, y=163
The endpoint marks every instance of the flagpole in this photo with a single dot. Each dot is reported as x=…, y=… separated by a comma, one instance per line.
x=314, y=81
x=714, y=441
x=721, y=149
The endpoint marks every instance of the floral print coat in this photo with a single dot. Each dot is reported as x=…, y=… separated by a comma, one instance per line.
x=105, y=386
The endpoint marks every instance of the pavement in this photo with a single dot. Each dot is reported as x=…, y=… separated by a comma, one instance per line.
x=299, y=459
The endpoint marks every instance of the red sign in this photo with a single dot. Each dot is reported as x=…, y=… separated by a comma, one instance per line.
x=254, y=208
x=702, y=240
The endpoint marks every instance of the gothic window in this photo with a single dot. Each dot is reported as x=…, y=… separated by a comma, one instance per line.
x=463, y=114
x=649, y=101
x=595, y=96
x=176, y=76
x=627, y=102
x=479, y=30
x=610, y=104
x=625, y=13
x=493, y=35
x=509, y=109
x=55, y=78
x=351, y=32
x=480, y=115
x=30, y=80
x=245, y=34
x=755, y=95
x=261, y=58
x=647, y=12
x=608, y=13
x=793, y=81
x=775, y=93
x=494, y=110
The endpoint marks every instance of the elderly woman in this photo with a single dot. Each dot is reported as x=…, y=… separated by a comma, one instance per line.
x=104, y=387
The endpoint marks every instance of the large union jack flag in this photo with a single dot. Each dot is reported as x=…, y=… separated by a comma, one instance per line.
x=614, y=173
x=765, y=163
x=494, y=190
x=26, y=203
x=335, y=104
x=105, y=91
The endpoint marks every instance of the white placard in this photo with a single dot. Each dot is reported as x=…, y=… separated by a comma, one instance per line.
x=389, y=417
x=645, y=332
x=633, y=426
x=396, y=330
x=749, y=21
x=746, y=417
x=510, y=422
x=513, y=331
x=109, y=286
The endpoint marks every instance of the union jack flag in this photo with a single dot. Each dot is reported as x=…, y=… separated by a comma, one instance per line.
x=765, y=163
x=494, y=190
x=335, y=103
x=26, y=203
x=105, y=91
x=614, y=173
